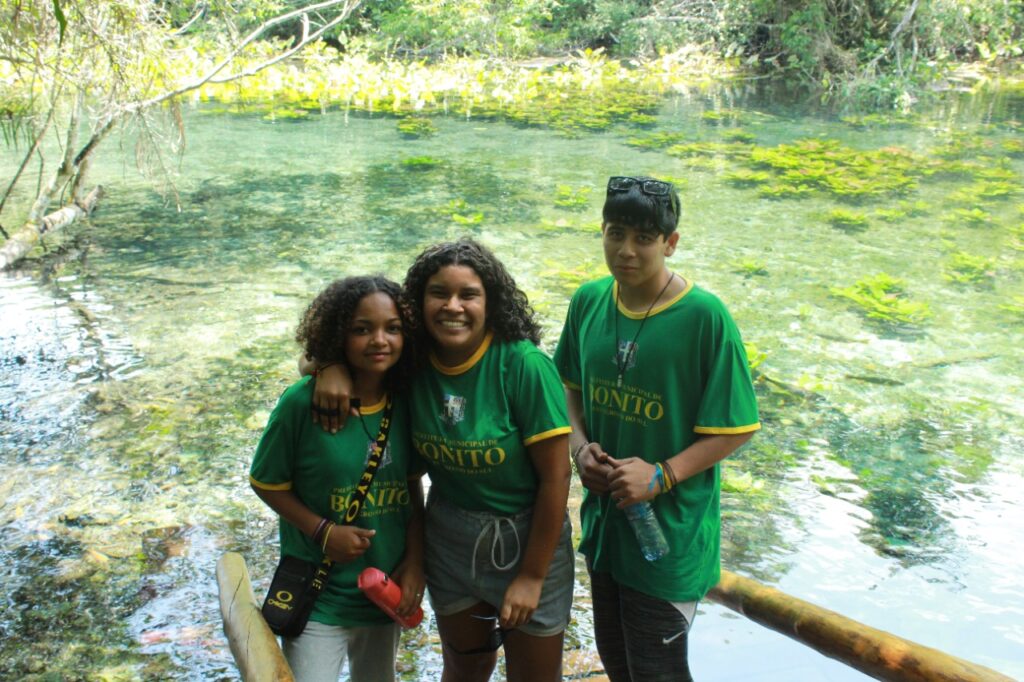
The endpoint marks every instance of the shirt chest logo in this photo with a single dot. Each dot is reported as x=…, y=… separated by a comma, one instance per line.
x=625, y=355
x=454, y=409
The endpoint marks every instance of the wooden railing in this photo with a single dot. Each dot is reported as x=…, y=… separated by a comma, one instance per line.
x=877, y=653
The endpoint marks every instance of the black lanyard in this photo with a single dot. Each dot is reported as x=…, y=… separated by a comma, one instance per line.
x=356, y=504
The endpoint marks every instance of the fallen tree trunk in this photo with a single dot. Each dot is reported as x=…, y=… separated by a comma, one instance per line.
x=877, y=653
x=25, y=239
x=253, y=645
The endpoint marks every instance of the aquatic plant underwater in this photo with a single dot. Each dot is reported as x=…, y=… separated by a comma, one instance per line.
x=873, y=263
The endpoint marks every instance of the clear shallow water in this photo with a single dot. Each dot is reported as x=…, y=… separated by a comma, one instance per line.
x=139, y=370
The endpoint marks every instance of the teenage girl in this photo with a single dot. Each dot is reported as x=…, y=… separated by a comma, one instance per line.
x=308, y=475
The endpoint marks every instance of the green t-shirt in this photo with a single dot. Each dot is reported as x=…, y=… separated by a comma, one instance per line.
x=322, y=469
x=472, y=424
x=687, y=376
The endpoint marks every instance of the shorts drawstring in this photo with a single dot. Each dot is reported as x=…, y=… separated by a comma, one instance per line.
x=497, y=545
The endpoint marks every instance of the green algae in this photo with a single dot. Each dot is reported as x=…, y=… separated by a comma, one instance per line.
x=893, y=121
x=882, y=298
x=750, y=267
x=755, y=356
x=286, y=115
x=966, y=268
x=572, y=198
x=745, y=177
x=420, y=163
x=415, y=127
x=468, y=219
x=984, y=190
x=716, y=149
x=826, y=166
x=973, y=217
x=638, y=120
x=785, y=191
x=738, y=135
x=658, y=141
x=1015, y=306
x=903, y=210
x=849, y=221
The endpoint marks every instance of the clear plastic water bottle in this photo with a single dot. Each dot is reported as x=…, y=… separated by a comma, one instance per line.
x=653, y=544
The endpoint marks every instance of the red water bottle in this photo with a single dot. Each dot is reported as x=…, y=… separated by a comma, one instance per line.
x=385, y=593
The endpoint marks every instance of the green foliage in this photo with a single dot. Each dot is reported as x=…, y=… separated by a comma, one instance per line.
x=873, y=50
x=468, y=219
x=572, y=198
x=638, y=120
x=737, y=135
x=286, y=115
x=1015, y=305
x=750, y=267
x=744, y=177
x=881, y=297
x=964, y=268
x=984, y=190
x=843, y=219
x=973, y=217
x=826, y=166
x=843, y=47
x=416, y=127
x=755, y=356
x=1013, y=146
x=658, y=141
x=420, y=163
x=721, y=117
x=503, y=28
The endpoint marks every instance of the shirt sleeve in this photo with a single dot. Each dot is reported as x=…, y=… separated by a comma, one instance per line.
x=538, y=404
x=273, y=463
x=567, y=356
x=728, y=404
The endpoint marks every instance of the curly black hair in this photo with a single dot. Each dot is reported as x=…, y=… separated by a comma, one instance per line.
x=509, y=314
x=323, y=327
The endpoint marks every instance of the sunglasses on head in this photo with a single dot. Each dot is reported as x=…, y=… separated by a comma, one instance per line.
x=495, y=638
x=623, y=183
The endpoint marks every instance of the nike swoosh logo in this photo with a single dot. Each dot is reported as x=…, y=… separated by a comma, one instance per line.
x=669, y=640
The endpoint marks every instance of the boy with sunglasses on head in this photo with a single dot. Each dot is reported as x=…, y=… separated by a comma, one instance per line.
x=659, y=392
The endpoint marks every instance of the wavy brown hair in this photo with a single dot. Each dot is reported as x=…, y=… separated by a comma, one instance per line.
x=324, y=325
x=509, y=314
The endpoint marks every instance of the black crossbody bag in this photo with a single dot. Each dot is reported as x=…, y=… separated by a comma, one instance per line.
x=297, y=583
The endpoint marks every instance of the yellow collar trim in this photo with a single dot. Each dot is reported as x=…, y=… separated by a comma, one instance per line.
x=654, y=311
x=376, y=407
x=468, y=363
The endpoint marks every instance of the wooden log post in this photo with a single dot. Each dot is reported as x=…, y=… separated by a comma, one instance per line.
x=253, y=645
x=877, y=653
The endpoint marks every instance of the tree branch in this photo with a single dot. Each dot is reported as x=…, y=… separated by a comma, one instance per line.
x=900, y=27
x=348, y=6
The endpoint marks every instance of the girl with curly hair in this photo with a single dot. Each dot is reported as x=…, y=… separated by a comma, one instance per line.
x=308, y=477
x=489, y=419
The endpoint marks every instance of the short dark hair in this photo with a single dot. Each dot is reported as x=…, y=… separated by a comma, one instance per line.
x=635, y=208
x=326, y=322
x=509, y=314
